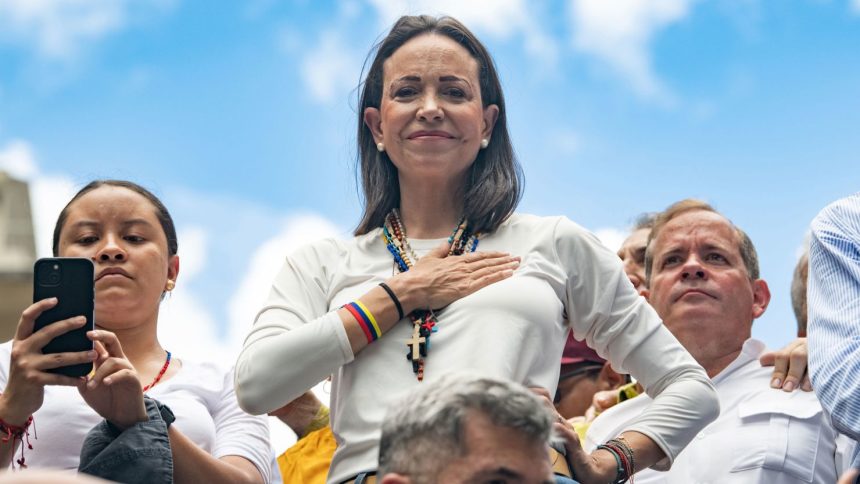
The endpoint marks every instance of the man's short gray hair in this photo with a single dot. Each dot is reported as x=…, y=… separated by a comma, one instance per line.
x=426, y=429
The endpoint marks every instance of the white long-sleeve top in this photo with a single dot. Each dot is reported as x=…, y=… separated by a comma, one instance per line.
x=513, y=329
x=763, y=436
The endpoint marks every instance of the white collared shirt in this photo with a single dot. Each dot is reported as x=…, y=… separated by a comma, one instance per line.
x=761, y=436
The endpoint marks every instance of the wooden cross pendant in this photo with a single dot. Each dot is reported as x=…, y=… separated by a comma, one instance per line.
x=415, y=342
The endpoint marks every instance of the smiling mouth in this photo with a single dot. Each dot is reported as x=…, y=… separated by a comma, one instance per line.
x=430, y=135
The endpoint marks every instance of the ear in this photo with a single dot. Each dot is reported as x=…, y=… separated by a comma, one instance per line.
x=173, y=268
x=608, y=378
x=761, y=297
x=491, y=114
x=391, y=478
x=373, y=121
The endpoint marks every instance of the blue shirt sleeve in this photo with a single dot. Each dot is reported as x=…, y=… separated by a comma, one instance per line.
x=834, y=313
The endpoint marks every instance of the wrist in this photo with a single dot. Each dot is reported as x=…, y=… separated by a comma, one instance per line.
x=139, y=415
x=407, y=291
x=12, y=415
x=605, y=464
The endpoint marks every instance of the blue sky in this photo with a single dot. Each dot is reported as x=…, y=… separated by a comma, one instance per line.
x=241, y=115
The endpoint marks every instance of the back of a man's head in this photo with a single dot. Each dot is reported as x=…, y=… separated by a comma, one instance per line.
x=428, y=429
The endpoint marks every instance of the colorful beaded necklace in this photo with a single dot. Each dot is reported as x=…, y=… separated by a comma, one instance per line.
x=424, y=321
x=160, y=374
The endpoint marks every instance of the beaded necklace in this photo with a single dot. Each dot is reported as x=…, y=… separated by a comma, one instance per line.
x=424, y=321
x=160, y=374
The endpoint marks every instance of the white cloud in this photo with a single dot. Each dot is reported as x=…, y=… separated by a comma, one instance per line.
x=264, y=265
x=855, y=6
x=17, y=159
x=330, y=68
x=619, y=33
x=195, y=245
x=59, y=29
x=186, y=325
x=611, y=237
x=499, y=19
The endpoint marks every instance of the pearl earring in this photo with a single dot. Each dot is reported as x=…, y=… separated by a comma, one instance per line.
x=170, y=285
x=485, y=142
x=380, y=147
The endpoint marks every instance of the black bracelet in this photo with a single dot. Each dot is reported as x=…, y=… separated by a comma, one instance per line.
x=393, y=298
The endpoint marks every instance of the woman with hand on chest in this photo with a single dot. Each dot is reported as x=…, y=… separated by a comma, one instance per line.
x=443, y=276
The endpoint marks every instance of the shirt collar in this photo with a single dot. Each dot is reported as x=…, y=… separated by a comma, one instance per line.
x=751, y=350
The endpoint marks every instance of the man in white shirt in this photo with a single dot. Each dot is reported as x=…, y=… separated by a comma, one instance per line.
x=703, y=280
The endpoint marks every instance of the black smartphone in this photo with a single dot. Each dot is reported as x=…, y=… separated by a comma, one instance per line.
x=70, y=280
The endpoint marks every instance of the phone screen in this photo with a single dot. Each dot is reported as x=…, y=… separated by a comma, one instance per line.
x=70, y=280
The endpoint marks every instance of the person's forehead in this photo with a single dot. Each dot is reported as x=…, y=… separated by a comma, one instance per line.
x=698, y=227
x=112, y=202
x=636, y=239
x=437, y=53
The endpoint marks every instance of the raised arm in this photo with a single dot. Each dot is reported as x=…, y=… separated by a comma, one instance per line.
x=604, y=308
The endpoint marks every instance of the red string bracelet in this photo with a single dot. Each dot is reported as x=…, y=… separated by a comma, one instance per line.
x=18, y=432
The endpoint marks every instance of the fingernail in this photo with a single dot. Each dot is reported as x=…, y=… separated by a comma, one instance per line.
x=91, y=355
x=91, y=384
x=81, y=320
x=789, y=386
x=775, y=383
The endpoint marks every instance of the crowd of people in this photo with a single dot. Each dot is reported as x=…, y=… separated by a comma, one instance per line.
x=465, y=341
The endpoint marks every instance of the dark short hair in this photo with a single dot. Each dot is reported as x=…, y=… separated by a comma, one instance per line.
x=798, y=292
x=494, y=182
x=161, y=212
x=745, y=245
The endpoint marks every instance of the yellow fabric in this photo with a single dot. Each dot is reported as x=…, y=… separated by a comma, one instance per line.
x=307, y=461
x=321, y=420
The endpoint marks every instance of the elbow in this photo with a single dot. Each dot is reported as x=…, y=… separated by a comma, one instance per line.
x=250, y=390
x=710, y=403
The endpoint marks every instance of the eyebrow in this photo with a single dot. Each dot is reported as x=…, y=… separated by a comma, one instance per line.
x=125, y=223
x=447, y=78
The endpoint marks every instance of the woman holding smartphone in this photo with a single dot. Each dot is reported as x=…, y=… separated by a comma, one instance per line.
x=130, y=237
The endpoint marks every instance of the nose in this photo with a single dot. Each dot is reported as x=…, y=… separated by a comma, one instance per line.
x=430, y=109
x=111, y=250
x=693, y=269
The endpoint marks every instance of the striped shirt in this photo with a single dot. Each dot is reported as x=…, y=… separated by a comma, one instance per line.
x=834, y=313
